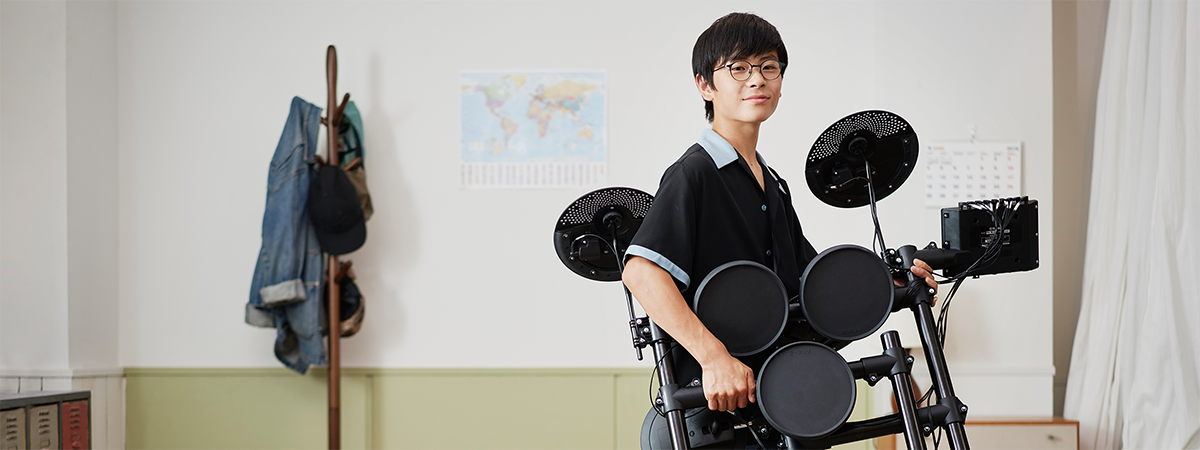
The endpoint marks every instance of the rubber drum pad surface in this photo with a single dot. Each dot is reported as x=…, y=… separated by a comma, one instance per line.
x=806, y=390
x=744, y=305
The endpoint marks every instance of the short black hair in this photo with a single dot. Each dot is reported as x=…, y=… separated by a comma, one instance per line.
x=735, y=36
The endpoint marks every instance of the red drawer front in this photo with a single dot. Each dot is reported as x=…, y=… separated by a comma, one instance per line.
x=75, y=430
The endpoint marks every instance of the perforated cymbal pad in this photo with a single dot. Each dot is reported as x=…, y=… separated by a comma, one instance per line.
x=835, y=169
x=744, y=305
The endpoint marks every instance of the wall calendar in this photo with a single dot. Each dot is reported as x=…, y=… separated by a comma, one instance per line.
x=964, y=171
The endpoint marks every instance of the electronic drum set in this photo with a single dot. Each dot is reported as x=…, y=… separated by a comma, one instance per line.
x=805, y=390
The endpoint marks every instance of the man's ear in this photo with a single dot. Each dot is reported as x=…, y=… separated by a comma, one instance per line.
x=706, y=90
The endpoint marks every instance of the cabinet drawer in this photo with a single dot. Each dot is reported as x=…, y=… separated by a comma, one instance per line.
x=13, y=421
x=75, y=425
x=43, y=427
x=1025, y=436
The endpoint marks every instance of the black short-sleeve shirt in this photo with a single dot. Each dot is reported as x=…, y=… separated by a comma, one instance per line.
x=709, y=210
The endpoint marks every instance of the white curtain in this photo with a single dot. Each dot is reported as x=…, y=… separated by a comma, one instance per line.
x=1135, y=368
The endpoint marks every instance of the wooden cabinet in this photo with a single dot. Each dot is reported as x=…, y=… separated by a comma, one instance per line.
x=1048, y=433
x=1023, y=433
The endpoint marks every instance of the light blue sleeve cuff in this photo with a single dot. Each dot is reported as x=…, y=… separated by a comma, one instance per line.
x=290, y=291
x=258, y=317
x=661, y=261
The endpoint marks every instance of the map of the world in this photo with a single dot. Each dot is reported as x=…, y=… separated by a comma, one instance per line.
x=533, y=129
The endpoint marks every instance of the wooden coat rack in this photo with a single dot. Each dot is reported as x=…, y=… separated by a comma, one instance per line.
x=333, y=118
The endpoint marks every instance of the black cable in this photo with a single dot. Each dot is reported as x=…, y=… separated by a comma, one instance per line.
x=751, y=428
x=1002, y=212
x=611, y=246
x=937, y=437
x=654, y=376
x=650, y=388
x=874, y=215
x=924, y=399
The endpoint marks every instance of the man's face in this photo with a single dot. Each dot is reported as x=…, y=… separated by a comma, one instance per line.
x=752, y=100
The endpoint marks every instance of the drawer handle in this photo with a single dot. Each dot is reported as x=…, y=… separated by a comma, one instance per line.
x=1053, y=437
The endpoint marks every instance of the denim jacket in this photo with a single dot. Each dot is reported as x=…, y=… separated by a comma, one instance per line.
x=285, y=292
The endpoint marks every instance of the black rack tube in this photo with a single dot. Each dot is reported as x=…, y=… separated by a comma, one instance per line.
x=933, y=350
x=617, y=254
x=902, y=387
x=666, y=377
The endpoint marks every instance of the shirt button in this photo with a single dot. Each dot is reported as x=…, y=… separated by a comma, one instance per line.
x=764, y=207
x=768, y=253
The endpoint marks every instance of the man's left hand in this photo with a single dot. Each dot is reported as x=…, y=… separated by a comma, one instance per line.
x=922, y=270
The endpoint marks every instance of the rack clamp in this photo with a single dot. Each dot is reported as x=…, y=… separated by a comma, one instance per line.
x=639, y=329
x=955, y=410
x=893, y=361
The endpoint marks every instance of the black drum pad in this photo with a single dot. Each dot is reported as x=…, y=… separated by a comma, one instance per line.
x=806, y=390
x=705, y=429
x=846, y=293
x=744, y=305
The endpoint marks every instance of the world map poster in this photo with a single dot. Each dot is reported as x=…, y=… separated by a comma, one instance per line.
x=532, y=129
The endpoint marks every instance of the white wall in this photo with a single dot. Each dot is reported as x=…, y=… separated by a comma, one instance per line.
x=33, y=189
x=59, y=189
x=468, y=278
x=58, y=206
x=988, y=64
x=92, y=184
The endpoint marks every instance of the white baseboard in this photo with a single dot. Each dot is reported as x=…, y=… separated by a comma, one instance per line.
x=63, y=373
x=988, y=392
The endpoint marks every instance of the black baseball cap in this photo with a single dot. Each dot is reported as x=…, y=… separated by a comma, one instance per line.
x=334, y=210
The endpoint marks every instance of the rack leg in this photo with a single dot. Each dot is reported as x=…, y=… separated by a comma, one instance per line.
x=927, y=326
x=937, y=368
x=666, y=376
x=902, y=386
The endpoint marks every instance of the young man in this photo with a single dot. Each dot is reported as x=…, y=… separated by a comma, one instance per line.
x=720, y=202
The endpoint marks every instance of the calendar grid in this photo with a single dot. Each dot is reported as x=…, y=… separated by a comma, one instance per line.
x=965, y=171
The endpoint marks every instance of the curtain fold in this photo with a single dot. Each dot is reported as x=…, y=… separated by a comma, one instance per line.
x=1134, y=380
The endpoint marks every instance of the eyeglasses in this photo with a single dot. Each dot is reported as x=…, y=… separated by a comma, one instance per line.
x=741, y=70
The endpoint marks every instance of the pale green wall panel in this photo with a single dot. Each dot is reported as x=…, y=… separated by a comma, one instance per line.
x=633, y=401
x=394, y=408
x=861, y=406
x=251, y=409
x=489, y=411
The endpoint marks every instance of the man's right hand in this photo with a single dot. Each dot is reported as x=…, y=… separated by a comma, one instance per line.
x=728, y=384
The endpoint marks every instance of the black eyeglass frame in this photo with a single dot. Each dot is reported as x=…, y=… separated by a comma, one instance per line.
x=750, y=72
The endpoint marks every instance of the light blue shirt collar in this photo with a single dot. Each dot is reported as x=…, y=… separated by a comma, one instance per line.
x=721, y=152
